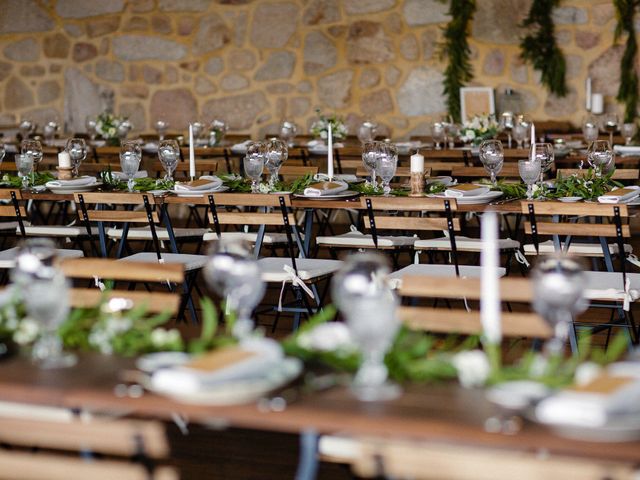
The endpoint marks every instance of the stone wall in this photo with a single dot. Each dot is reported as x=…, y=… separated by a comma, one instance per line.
x=253, y=63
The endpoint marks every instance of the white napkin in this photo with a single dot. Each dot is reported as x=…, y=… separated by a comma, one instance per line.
x=241, y=147
x=76, y=182
x=319, y=192
x=456, y=193
x=183, y=379
x=123, y=177
x=203, y=184
x=627, y=149
x=625, y=194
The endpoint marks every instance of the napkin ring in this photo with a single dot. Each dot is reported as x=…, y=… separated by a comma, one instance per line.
x=417, y=184
x=65, y=173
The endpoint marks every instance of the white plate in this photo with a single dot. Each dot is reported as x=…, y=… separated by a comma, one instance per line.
x=569, y=199
x=336, y=196
x=198, y=193
x=472, y=199
x=242, y=391
x=158, y=193
x=75, y=188
x=621, y=428
x=153, y=361
x=517, y=395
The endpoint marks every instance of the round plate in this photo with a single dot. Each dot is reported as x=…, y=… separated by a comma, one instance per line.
x=198, y=193
x=471, y=199
x=620, y=428
x=74, y=188
x=336, y=196
x=517, y=395
x=151, y=362
x=569, y=199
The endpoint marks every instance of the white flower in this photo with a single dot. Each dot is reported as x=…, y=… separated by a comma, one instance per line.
x=116, y=325
x=327, y=337
x=535, y=188
x=101, y=340
x=587, y=372
x=473, y=368
x=27, y=332
x=264, y=188
x=324, y=135
x=538, y=366
x=158, y=337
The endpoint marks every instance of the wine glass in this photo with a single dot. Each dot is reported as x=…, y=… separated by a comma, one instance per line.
x=277, y=153
x=529, y=171
x=288, y=131
x=233, y=273
x=198, y=131
x=386, y=164
x=168, y=154
x=24, y=164
x=453, y=132
x=77, y=149
x=367, y=132
x=3, y=151
x=361, y=293
x=438, y=134
x=558, y=296
x=492, y=157
x=91, y=126
x=49, y=131
x=545, y=153
x=161, y=127
x=218, y=129
x=590, y=129
x=130, y=157
x=26, y=127
x=600, y=155
x=507, y=124
x=369, y=158
x=34, y=148
x=628, y=131
x=610, y=124
x=519, y=131
x=253, y=167
x=45, y=292
x=123, y=129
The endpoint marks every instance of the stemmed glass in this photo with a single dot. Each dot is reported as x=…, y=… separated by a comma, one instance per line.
x=369, y=159
x=123, y=129
x=24, y=164
x=529, y=171
x=77, y=149
x=161, y=127
x=233, y=273
x=49, y=131
x=386, y=164
x=438, y=134
x=506, y=125
x=600, y=155
x=288, y=131
x=169, y=154
x=91, y=126
x=590, y=129
x=545, y=153
x=217, y=131
x=610, y=124
x=492, y=157
x=3, y=151
x=368, y=305
x=45, y=292
x=34, y=148
x=130, y=157
x=628, y=131
x=519, y=130
x=26, y=127
x=198, y=131
x=367, y=132
x=277, y=153
x=254, y=162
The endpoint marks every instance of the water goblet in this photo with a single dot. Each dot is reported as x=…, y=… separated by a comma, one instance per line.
x=24, y=164
x=26, y=127
x=507, y=124
x=49, y=131
x=362, y=295
x=529, y=171
x=369, y=158
x=253, y=167
x=233, y=273
x=34, y=148
x=590, y=129
x=367, y=131
x=123, y=129
x=386, y=165
x=277, y=153
x=77, y=149
x=91, y=126
x=198, y=131
x=519, y=134
x=492, y=157
x=288, y=131
x=130, y=157
x=610, y=124
x=599, y=155
x=217, y=131
x=161, y=127
x=628, y=131
x=3, y=151
x=545, y=153
x=453, y=132
x=169, y=155
x=438, y=134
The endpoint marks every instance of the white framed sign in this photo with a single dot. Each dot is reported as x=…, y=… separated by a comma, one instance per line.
x=476, y=101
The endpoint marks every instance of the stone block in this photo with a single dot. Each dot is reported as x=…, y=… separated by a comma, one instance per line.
x=176, y=106
x=242, y=59
x=494, y=63
x=109, y=71
x=569, y=16
x=161, y=24
x=183, y=5
x=392, y=75
x=321, y=11
x=279, y=65
x=586, y=39
x=425, y=12
x=319, y=53
x=204, y=86
x=421, y=93
x=273, y=24
x=334, y=90
x=83, y=51
x=22, y=16
x=492, y=24
x=56, y=45
x=370, y=77
x=605, y=71
x=25, y=50
x=214, y=66
x=409, y=48
x=83, y=98
x=368, y=43
x=17, y=94
x=359, y=7
x=48, y=91
x=147, y=47
x=561, y=107
x=239, y=111
x=102, y=26
x=32, y=71
x=234, y=81
x=213, y=33
x=84, y=9
x=136, y=114
x=377, y=102
x=5, y=70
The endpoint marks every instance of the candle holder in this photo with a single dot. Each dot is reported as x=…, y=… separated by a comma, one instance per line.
x=65, y=173
x=417, y=184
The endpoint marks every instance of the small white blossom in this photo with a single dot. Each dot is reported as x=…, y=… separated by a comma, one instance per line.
x=116, y=325
x=538, y=366
x=27, y=332
x=327, y=337
x=473, y=368
x=264, y=188
x=587, y=372
x=101, y=340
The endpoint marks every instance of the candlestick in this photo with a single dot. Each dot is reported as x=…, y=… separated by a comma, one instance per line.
x=588, y=94
x=417, y=184
x=329, y=153
x=64, y=159
x=417, y=163
x=192, y=156
x=489, y=280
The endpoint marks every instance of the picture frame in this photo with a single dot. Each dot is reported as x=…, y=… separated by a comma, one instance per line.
x=476, y=101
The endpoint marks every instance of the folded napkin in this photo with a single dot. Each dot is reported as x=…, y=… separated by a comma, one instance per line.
x=253, y=359
x=344, y=177
x=627, y=149
x=76, y=182
x=446, y=181
x=325, y=188
x=204, y=183
x=241, y=147
x=594, y=404
x=123, y=177
x=620, y=195
x=465, y=190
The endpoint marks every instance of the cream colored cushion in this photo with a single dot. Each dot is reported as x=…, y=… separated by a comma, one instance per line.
x=269, y=238
x=360, y=240
x=52, y=231
x=144, y=233
x=272, y=268
x=469, y=271
x=190, y=262
x=8, y=257
x=609, y=285
x=466, y=244
x=576, y=248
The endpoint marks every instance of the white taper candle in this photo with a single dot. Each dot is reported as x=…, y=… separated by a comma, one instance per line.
x=490, y=282
x=329, y=153
x=192, y=155
x=588, y=94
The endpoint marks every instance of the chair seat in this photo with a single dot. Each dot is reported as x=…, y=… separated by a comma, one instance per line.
x=463, y=244
x=9, y=226
x=52, y=231
x=426, y=269
x=272, y=268
x=609, y=285
x=144, y=233
x=361, y=240
x=251, y=237
x=191, y=262
x=576, y=248
x=8, y=257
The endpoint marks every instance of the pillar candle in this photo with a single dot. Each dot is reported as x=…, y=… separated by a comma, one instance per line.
x=192, y=156
x=588, y=94
x=417, y=163
x=597, y=103
x=533, y=133
x=64, y=159
x=490, y=312
x=329, y=153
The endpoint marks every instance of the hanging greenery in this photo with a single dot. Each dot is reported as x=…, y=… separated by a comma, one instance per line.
x=628, y=91
x=540, y=49
x=455, y=49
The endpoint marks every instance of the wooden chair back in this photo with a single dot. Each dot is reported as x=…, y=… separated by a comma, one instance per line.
x=458, y=320
x=295, y=171
x=388, y=213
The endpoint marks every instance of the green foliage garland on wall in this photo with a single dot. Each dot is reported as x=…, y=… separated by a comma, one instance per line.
x=628, y=91
x=455, y=49
x=540, y=49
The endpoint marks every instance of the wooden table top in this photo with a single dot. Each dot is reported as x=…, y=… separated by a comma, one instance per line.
x=444, y=413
